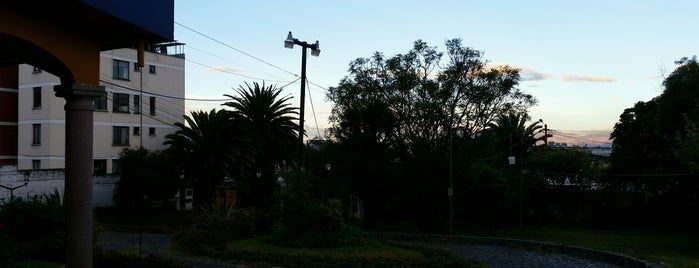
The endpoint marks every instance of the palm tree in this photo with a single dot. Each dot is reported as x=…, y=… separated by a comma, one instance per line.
x=512, y=133
x=270, y=120
x=210, y=146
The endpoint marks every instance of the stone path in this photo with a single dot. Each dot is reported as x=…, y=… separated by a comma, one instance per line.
x=493, y=256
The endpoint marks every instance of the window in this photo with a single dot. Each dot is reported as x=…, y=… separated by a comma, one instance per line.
x=136, y=68
x=36, y=164
x=120, y=103
x=100, y=103
x=120, y=69
x=36, y=70
x=151, y=131
x=152, y=105
x=115, y=166
x=36, y=134
x=37, y=98
x=151, y=69
x=136, y=131
x=136, y=104
x=100, y=167
x=120, y=136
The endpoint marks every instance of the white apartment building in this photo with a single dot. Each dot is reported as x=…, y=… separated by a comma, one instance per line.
x=139, y=107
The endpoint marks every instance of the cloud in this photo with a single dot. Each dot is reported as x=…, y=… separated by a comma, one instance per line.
x=224, y=69
x=526, y=73
x=588, y=78
x=529, y=74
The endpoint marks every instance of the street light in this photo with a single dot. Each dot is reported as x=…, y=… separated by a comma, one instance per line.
x=450, y=190
x=315, y=51
x=13, y=188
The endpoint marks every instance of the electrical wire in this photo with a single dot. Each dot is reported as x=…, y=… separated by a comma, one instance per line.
x=558, y=133
x=228, y=60
x=160, y=95
x=234, y=73
x=313, y=110
x=238, y=50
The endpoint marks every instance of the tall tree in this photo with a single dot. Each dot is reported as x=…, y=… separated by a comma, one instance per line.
x=147, y=179
x=407, y=104
x=210, y=146
x=270, y=120
x=646, y=134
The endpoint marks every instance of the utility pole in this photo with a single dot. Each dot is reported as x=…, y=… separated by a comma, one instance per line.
x=315, y=51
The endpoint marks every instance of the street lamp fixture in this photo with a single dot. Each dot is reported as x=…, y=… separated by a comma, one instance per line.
x=13, y=188
x=315, y=51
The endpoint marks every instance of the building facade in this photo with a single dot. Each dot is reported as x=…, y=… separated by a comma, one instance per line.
x=139, y=107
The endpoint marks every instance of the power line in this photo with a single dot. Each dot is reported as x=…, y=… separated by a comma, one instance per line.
x=313, y=110
x=161, y=95
x=228, y=60
x=234, y=73
x=575, y=138
x=231, y=47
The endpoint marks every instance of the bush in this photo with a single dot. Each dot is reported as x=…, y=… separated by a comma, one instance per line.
x=220, y=224
x=310, y=221
x=32, y=228
x=113, y=259
x=37, y=217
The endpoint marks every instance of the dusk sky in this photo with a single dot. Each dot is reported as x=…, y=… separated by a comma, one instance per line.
x=585, y=61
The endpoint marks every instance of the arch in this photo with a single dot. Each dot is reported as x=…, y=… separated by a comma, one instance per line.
x=45, y=45
x=14, y=51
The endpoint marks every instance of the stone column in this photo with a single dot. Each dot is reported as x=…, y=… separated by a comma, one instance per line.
x=77, y=199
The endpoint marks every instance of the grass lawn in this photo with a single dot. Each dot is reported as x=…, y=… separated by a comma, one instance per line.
x=670, y=247
x=370, y=254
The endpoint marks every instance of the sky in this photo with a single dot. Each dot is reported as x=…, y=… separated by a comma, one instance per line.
x=585, y=61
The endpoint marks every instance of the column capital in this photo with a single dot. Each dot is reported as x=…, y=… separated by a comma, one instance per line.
x=78, y=90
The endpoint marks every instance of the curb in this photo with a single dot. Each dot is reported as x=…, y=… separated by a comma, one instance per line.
x=587, y=253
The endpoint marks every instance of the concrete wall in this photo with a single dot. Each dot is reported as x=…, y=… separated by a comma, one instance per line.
x=47, y=181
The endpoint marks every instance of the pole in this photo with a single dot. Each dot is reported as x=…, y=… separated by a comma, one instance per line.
x=451, y=175
x=546, y=135
x=302, y=103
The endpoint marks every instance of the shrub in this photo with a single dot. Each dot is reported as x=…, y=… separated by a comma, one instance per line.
x=32, y=228
x=113, y=259
x=310, y=221
x=34, y=218
x=219, y=224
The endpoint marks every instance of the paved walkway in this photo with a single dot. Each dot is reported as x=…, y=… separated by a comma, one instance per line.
x=493, y=256
x=156, y=244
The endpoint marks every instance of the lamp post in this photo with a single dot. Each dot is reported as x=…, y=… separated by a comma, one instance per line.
x=450, y=190
x=315, y=51
x=13, y=188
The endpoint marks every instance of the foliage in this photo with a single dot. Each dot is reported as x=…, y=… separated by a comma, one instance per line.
x=210, y=146
x=573, y=166
x=231, y=224
x=34, y=218
x=369, y=254
x=393, y=116
x=308, y=220
x=114, y=259
x=687, y=148
x=655, y=143
x=33, y=228
x=147, y=179
x=511, y=133
x=646, y=134
x=420, y=101
x=273, y=135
